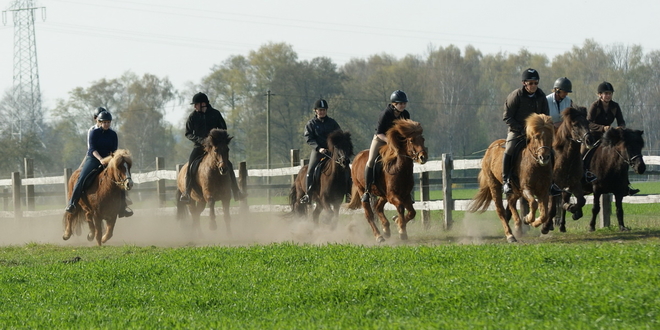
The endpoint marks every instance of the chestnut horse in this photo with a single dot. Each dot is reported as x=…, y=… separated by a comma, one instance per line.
x=102, y=199
x=211, y=182
x=572, y=134
x=533, y=167
x=405, y=146
x=334, y=180
x=620, y=149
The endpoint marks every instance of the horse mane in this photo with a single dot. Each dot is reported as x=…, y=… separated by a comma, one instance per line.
x=568, y=115
x=396, y=137
x=216, y=137
x=118, y=157
x=539, y=123
x=340, y=140
x=616, y=135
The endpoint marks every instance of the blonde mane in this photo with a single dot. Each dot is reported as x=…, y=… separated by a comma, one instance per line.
x=539, y=123
x=397, y=135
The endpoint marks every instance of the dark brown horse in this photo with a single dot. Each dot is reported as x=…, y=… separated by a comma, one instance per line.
x=211, y=182
x=572, y=134
x=102, y=199
x=333, y=183
x=533, y=167
x=620, y=149
x=405, y=146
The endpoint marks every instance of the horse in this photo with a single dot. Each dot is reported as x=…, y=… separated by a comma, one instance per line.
x=404, y=147
x=211, y=182
x=570, y=136
x=333, y=182
x=102, y=199
x=533, y=166
x=620, y=148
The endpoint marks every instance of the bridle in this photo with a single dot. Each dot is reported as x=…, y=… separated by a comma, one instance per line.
x=628, y=161
x=127, y=182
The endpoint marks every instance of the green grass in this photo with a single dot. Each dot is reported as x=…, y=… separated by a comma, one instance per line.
x=288, y=286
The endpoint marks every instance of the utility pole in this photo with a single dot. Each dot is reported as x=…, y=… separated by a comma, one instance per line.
x=268, y=95
x=26, y=93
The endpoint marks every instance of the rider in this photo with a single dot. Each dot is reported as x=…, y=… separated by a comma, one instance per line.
x=558, y=100
x=199, y=124
x=601, y=115
x=316, y=133
x=396, y=109
x=521, y=103
x=102, y=142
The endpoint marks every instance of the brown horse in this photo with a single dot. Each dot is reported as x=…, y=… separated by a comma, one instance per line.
x=405, y=145
x=620, y=149
x=572, y=134
x=333, y=183
x=212, y=181
x=533, y=167
x=102, y=199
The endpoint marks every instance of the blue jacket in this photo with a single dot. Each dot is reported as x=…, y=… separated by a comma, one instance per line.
x=105, y=142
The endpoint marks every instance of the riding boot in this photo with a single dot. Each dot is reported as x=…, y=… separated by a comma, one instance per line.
x=238, y=195
x=369, y=179
x=506, y=173
x=185, y=196
x=632, y=191
x=124, y=210
x=309, y=182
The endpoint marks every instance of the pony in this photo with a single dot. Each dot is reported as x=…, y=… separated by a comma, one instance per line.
x=533, y=166
x=572, y=134
x=620, y=148
x=102, y=198
x=404, y=147
x=211, y=182
x=333, y=182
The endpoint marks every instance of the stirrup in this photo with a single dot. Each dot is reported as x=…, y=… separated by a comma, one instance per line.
x=590, y=176
x=365, y=197
x=127, y=212
x=184, y=199
x=304, y=199
x=555, y=190
x=506, y=188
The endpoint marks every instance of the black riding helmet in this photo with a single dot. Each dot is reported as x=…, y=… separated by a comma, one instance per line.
x=605, y=87
x=398, y=96
x=564, y=84
x=98, y=111
x=104, y=116
x=530, y=74
x=199, y=98
x=321, y=104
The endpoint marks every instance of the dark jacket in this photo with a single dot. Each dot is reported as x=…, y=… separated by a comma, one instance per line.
x=103, y=141
x=599, y=118
x=199, y=124
x=520, y=104
x=317, y=131
x=387, y=118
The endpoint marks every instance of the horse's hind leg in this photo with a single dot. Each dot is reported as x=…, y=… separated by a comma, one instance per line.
x=618, y=201
x=595, y=209
x=380, y=207
x=369, y=215
x=227, y=215
x=98, y=232
x=212, y=224
x=109, y=229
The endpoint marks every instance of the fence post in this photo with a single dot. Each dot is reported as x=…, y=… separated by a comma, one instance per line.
x=16, y=192
x=295, y=161
x=447, y=200
x=28, y=164
x=160, y=186
x=424, y=197
x=242, y=184
x=605, y=210
x=5, y=199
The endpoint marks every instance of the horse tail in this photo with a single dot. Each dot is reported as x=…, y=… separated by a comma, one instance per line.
x=356, y=199
x=483, y=198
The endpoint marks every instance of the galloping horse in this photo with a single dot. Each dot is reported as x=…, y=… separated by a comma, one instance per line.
x=211, y=182
x=102, y=198
x=620, y=148
x=573, y=132
x=533, y=167
x=333, y=182
x=405, y=145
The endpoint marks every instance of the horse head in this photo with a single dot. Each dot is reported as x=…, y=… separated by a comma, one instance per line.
x=628, y=144
x=575, y=126
x=120, y=166
x=216, y=146
x=341, y=147
x=540, y=134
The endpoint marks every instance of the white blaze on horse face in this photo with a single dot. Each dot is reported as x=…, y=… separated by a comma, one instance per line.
x=129, y=180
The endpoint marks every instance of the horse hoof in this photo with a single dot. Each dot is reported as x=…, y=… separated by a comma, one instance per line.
x=90, y=237
x=592, y=229
x=65, y=237
x=511, y=239
x=380, y=239
x=577, y=215
x=562, y=229
x=622, y=228
x=403, y=236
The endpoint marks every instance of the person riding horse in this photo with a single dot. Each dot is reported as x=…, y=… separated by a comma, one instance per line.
x=200, y=122
x=316, y=133
x=396, y=109
x=102, y=141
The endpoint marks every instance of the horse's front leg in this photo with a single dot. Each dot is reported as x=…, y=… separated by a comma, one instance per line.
x=316, y=213
x=211, y=204
x=227, y=215
x=511, y=201
x=98, y=232
x=402, y=219
x=68, y=222
x=544, y=217
x=618, y=201
x=109, y=229
x=595, y=209
x=380, y=211
x=533, y=206
x=369, y=215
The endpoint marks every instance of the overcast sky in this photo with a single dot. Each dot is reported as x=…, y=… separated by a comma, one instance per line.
x=81, y=41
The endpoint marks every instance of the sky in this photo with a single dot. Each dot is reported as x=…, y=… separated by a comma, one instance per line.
x=82, y=41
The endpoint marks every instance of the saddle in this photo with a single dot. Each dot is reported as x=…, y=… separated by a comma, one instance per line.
x=316, y=174
x=89, y=179
x=192, y=171
x=378, y=172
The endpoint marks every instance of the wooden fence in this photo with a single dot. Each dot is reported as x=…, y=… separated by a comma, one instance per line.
x=447, y=166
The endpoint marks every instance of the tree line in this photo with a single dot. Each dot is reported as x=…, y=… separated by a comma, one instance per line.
x=457, y=95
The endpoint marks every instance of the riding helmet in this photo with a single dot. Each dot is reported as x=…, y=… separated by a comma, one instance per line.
x=98, y=111
x=104, y=116
x=564, y=84
x=605, y=87
x=398, y=96
x=321, y=104
x=530, y=74
x=199, y=98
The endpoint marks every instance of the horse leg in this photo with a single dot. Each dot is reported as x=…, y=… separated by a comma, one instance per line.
x=512, y=200
x=98, y=232
x=533, y=206
x=68, y=221
x=195, y=211
x=618, y=201
x=403, y=218
x=380, y=211
x=92, y=228
x=317, y=212
x=544, y=216
x=227, y=215
x=369, y=215
x=109, y=229
x=594, y=211
x=577, y=208
x=496, y=192
x=211, y=204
